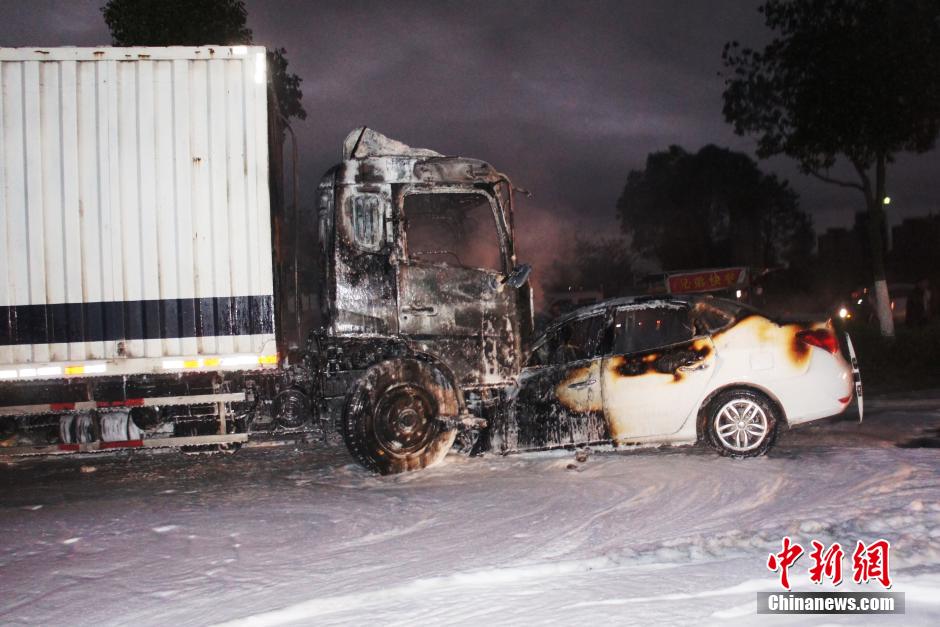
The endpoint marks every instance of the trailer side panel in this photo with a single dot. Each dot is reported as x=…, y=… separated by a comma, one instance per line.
x=135, y=221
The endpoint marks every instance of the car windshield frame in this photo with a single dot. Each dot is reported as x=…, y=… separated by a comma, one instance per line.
x=602, y=349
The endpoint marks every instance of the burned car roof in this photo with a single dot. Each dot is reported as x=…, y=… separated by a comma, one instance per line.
x=729, y=306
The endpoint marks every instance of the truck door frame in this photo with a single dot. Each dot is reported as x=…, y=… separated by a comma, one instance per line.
x=494, y=295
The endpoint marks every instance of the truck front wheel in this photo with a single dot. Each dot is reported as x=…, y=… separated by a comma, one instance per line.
x=390, y=420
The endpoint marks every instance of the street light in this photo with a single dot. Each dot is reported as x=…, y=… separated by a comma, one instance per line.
x=887, y=200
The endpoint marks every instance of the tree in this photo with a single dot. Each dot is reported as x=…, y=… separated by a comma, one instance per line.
x=603, y=264
x=197, y=23
x=177, y=22
x=857, y=80
x=712, y=208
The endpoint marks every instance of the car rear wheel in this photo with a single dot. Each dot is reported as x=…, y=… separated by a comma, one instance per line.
x=742, y=423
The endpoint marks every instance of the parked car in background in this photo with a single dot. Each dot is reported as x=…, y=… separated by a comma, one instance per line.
x=677, y=370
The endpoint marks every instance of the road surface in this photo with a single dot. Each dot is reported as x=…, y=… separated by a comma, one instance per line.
x=303, y=536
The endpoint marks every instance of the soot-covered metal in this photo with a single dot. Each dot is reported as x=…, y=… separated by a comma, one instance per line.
x=413, y=338
x=423, y=319
x=421, y=314
x=377, y=285
x=615, y=383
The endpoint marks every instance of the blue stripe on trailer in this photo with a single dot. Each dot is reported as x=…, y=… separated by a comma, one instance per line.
x=136, y=320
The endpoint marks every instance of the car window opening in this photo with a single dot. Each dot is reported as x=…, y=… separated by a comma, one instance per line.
x=641, y=329
x=576, y=340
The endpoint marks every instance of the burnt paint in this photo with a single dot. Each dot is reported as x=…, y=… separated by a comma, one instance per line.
x=665, y=362
x=458, y=314
x=543, y=418
x=544, y=413
x=361, y=289
x=368, y=173
x=799, y=350
x=766, y=331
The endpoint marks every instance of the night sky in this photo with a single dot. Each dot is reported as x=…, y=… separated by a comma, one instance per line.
x=566, y=97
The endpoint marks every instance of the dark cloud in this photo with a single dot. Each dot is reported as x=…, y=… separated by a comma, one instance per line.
x=566, y=97
x=52, y=23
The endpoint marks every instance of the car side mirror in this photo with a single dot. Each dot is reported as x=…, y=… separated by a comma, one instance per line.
x=518, y=276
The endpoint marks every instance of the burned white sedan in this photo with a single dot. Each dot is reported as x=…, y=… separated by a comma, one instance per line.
x=677, y=370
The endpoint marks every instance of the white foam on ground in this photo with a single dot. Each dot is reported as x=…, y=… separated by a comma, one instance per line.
x=301, y=536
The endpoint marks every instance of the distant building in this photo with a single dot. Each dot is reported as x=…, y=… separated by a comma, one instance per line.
x=842, y=256
x=916, y=251
x=838, y=244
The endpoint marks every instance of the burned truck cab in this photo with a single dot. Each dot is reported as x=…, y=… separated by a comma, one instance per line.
x=425, y=310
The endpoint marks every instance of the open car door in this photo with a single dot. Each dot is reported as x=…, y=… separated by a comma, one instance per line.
x=559, y=401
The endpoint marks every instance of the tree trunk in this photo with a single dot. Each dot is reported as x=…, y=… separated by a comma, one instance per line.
x=876, y=219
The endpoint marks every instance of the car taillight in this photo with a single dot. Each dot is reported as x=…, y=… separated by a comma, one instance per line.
x=823, y=338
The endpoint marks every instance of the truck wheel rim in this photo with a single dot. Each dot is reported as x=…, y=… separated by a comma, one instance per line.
x=404, y=420
x=741, y=425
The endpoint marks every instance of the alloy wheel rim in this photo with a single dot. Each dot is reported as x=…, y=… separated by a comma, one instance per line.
x=741, y=425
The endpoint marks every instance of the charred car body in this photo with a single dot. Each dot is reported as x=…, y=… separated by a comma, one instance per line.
x=677, y=370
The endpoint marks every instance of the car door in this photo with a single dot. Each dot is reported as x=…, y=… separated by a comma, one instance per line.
x=657, y=371
x=559, y=400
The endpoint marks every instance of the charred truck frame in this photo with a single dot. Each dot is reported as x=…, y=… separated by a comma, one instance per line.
x=426, y=310
x=129, y=169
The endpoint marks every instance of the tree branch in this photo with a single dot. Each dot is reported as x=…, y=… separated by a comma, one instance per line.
x=866, y=182
x=827, y=179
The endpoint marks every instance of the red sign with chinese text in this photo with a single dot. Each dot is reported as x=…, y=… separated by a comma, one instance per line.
x=706, y=281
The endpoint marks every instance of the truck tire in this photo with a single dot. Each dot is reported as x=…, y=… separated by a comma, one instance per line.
x=389, y=421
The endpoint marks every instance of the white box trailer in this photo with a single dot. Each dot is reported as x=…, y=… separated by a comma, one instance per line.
x=136, y=285
x=135, y=228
